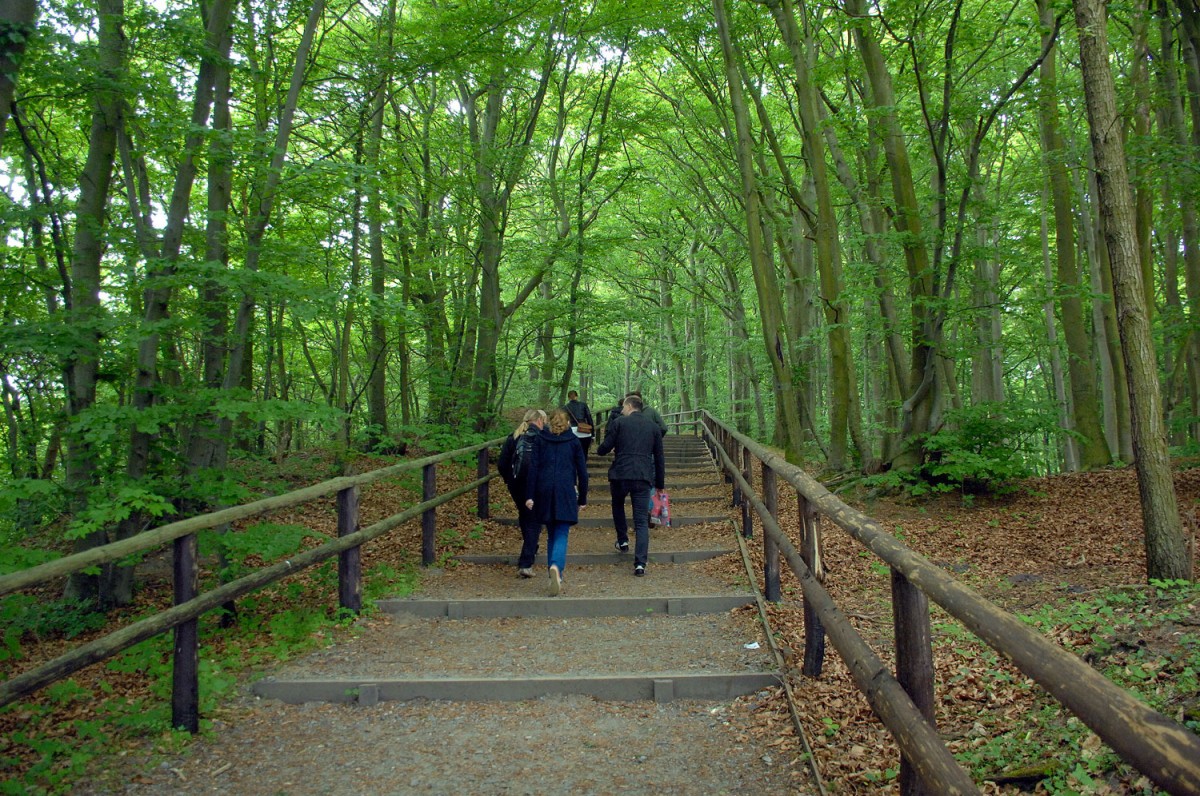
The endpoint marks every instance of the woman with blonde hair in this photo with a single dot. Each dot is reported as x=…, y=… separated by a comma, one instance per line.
x=556, y=488
x=515, y=454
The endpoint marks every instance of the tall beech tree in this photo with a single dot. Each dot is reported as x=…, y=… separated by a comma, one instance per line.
x=82, y=292
x=1166, y=549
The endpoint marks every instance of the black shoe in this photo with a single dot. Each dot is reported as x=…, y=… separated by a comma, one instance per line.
x=621, y=547
x=639, y=570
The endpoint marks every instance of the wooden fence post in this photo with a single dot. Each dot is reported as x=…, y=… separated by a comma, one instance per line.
x=482, y=510
x=770, y=490
x=747, y=514
x=914, y=664
x=810, y=553
x=727, y=445
x=185, y=676
x=349, y=561
x=429, y=517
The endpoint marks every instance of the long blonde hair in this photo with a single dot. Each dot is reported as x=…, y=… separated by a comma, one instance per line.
x=560, y=421
x=530, y=416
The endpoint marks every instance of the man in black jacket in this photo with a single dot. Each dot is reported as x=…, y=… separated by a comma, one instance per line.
x=582, y=424
x=637, y=466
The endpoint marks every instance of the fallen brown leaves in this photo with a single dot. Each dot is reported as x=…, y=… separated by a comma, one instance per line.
x=1057, y=536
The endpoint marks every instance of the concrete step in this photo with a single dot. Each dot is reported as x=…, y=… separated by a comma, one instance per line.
x=606, y=522
x=596, y=559
x=621, y=649
x=566, y=607
x=659, y=687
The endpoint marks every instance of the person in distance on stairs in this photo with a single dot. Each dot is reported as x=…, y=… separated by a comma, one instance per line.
x=651, y=412
x=557, y=487
x=531, y=530
x=581, y=420
x=637, y=467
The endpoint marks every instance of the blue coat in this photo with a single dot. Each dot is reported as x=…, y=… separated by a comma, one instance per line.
x=557, y=465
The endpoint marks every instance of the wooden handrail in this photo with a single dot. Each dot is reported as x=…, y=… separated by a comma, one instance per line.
x=917, y=739
x=112, y=643
x=1162, y=749
x=157, y=537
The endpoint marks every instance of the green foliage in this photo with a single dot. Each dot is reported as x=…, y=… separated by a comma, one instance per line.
x=14, y=558
x=28, y=502
x=439, y=438
x=67, y=748
x=266, y=540
x=983, y=448
x=23, y=615
x=121, y=505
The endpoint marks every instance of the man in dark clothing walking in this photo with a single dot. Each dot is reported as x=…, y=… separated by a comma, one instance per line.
x=582, y=425
x=637, y=467
x=651, y=412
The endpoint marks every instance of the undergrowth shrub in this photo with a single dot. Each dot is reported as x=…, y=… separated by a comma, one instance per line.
x=980, y=449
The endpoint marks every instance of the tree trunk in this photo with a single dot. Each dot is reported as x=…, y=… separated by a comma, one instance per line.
x=1166, y=550
x=17, y=23
x=378, y=349
x=919, y=387
x=84, y=310
x=1180, y=194
x=1085, y=400
x=1070, y=449
x=263, y=197
x=845, y=415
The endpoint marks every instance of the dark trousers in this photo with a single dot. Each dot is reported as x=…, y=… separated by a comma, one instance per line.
x=531, y=532
x=639, y=494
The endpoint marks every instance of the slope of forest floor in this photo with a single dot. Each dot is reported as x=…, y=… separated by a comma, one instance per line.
x=1069, y=541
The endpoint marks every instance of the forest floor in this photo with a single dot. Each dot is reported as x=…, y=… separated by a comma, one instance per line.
x=1054, y=541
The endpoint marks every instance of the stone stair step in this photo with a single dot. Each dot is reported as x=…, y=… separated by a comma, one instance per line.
x=566, y=607
x=595, y=559
x=659, y=687
x=606, y=522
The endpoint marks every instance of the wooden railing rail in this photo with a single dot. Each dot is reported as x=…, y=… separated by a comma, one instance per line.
x=677, y=420
x=1160, y=748
x=189, y=606
x=918, y=739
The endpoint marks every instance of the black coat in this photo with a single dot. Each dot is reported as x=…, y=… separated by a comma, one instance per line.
x=639, y=448
x=554, y=471
x=579, y=412
x=515, y=484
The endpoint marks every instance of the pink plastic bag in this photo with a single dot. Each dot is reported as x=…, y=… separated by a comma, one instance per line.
x=660, y=508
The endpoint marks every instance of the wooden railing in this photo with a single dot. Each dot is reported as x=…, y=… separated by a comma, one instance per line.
x=1165, y=751
x=189, y=605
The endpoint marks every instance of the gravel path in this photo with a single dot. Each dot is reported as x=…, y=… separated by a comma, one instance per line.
x=555, y=745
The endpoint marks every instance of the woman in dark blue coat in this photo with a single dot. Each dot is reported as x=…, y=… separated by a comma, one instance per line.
x=556, y=487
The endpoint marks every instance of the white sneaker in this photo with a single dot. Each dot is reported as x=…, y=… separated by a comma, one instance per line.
x=555, y=581
x=525, y=572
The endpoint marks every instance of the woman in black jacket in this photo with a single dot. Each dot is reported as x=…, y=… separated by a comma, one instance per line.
x=556, y=488
x=515, y=477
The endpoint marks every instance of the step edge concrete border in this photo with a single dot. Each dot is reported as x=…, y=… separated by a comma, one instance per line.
x=649, y=686
x=567, y=607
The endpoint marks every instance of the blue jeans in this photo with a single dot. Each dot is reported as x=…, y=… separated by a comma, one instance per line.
x=556, y=545
x=639, y=494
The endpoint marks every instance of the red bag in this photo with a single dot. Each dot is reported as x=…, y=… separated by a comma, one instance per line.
x=660, y=508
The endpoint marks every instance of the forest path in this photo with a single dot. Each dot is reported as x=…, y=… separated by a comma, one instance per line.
x=482, y=683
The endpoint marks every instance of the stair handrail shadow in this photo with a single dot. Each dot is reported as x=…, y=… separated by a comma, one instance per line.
x=189, y=605
x=1156, y=745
